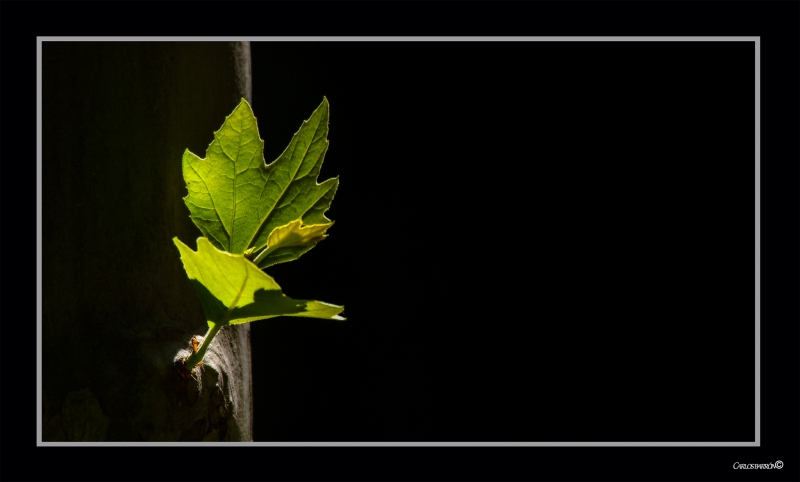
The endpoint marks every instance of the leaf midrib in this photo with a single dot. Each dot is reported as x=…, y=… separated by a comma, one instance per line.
x=235, y=176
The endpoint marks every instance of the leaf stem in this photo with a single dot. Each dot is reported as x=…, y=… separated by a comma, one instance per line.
x=195, y=358
x=262, y=255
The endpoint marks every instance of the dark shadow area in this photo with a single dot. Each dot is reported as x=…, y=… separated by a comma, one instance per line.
x=533, y=242
x=213, y=307
x=267, y=302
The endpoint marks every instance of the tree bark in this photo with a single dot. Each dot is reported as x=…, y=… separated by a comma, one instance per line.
x=118, y=308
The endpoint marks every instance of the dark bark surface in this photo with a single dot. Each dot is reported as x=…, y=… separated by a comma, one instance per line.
x=117, y=305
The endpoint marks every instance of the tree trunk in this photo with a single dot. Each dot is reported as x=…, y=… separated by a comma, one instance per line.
x=118, y=308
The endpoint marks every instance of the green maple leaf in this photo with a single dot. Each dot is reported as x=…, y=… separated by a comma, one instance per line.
x=237, y=201
x=233, y=290
x=247, y=209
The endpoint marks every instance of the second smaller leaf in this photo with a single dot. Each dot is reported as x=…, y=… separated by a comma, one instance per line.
x=292, y=235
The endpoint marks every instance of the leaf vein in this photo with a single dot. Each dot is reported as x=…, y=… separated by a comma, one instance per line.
x=211, y=197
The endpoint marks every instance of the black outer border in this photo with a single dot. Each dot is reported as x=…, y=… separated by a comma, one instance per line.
x=776, y=24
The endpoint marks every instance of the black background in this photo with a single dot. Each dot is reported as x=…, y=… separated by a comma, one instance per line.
x=534, y=241
x=515, y=301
